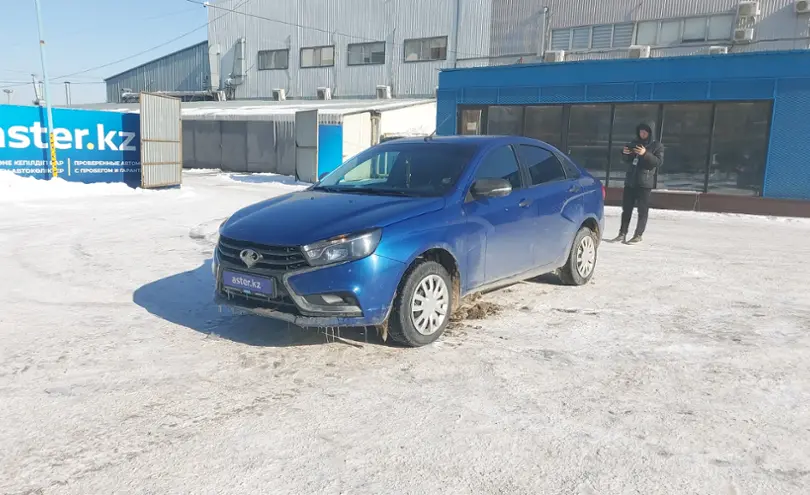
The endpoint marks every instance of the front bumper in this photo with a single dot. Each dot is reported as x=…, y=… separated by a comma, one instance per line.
x=370, y=284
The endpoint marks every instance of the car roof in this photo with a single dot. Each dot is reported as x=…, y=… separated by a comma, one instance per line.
x=480, y=141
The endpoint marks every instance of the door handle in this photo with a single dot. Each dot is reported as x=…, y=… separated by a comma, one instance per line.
x=575, y=188
x=525, y=203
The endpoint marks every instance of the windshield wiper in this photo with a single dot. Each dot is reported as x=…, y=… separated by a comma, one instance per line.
x=389, y=192
x=367, y=190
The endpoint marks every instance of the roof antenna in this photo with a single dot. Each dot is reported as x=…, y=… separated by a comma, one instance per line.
x=428, y=138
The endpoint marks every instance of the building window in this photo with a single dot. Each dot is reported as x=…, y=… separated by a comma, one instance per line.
x=623, y=35
x=561, y=39
x=647, y=33
x=317, y=56
x=505, y=121
x=600, y=37
x=426, y=49
x=686, y=133
x=689, y=30
x=739, y=148
x=720, y=27
x=589, y=137
x=274, y=59
x=545, y=123
x=710, y=147
x=581, y=38
x=367, y=53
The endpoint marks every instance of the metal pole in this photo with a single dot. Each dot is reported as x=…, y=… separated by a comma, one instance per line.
x=67, y=93
x=54, y=171
x=8, y=93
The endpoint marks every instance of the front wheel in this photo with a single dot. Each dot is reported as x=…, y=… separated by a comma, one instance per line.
x=581, y=264
x=422, y=307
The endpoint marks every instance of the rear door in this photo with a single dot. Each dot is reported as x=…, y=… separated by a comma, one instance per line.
x=505, y=221
x=554, y=196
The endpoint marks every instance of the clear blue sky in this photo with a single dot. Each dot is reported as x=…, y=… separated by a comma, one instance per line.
x=82, y=34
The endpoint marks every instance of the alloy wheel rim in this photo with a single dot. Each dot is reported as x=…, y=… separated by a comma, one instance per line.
x=429, y=305
x=586, y=256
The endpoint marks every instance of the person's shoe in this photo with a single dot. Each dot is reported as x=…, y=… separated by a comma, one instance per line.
x=620, y=238
x=635, y=240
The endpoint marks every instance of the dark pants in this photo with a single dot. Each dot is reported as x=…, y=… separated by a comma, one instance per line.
x=635, y=197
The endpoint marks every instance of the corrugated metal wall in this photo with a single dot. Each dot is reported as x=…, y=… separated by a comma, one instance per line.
x=307, y=23
x=490, y=32
x=185, y=70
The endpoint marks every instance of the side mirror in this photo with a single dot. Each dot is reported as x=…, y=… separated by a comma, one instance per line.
x=321, y=176
x=491, y=188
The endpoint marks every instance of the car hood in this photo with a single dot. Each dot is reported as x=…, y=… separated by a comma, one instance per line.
x=305, y=217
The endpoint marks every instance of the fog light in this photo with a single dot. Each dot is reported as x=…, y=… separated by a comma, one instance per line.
x=332, y=299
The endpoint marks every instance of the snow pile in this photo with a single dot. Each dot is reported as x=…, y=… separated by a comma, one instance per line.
x=14, y=189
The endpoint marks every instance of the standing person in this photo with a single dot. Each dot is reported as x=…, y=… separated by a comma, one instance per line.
x=644, y=155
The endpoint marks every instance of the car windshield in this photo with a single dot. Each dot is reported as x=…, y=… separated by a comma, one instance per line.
x=405, y=169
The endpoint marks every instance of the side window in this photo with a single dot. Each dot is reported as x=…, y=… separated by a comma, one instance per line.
x=571, y=169
x=543, y=166
x=500, y=163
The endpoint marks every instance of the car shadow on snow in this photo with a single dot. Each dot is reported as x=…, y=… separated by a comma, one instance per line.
x=186, y=299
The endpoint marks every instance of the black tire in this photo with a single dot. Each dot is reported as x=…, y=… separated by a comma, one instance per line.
x=401, y=328
x=569, y=274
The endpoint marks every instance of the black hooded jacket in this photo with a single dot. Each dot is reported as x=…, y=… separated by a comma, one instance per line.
x=642, y=174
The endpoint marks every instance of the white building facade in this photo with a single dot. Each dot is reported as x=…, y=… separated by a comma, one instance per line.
x=352, y=47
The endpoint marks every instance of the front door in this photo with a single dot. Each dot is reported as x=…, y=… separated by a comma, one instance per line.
x=505, y=221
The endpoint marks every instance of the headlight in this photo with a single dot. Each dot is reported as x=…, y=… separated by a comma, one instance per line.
x=343, y=248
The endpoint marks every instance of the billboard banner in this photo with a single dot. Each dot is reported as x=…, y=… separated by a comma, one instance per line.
x=91, y=146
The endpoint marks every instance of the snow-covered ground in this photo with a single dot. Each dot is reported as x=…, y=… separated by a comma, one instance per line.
x=683, y=368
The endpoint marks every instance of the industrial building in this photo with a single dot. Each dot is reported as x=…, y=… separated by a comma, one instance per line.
x=728, y=121
x=360, y=48
x=185, y=73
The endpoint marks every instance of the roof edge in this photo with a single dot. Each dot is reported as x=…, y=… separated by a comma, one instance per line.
x=195, y=45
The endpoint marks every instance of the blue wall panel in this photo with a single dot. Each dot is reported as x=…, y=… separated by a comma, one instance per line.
x=611, y=92
x=330, y=147
x=787, y=175
x=783, y=77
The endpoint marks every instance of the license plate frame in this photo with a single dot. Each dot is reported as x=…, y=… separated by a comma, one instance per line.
x=249, y=284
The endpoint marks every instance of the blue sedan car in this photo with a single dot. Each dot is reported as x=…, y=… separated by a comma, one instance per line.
x=399, y=234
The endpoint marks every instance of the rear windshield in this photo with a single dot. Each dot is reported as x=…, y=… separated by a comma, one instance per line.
x=417, y=169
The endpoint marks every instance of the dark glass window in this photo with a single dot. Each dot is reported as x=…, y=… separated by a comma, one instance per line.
x=505, y=121
x=471, y=120
x=739, y=148
x=545, y=123
x=625, y=119
x=588, y=137
x=571, y=170
x=274, y=59
x=687, y=127
x=500, y=163
x=366, y=53
x=542, y=164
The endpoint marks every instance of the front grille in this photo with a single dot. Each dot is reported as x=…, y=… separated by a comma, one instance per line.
x=283, y=303
x=274, y=258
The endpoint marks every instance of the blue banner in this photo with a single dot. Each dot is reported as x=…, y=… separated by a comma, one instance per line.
x=91, y=146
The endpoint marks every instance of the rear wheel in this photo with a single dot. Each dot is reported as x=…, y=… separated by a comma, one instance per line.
x=581, y=264
x=422, y=307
